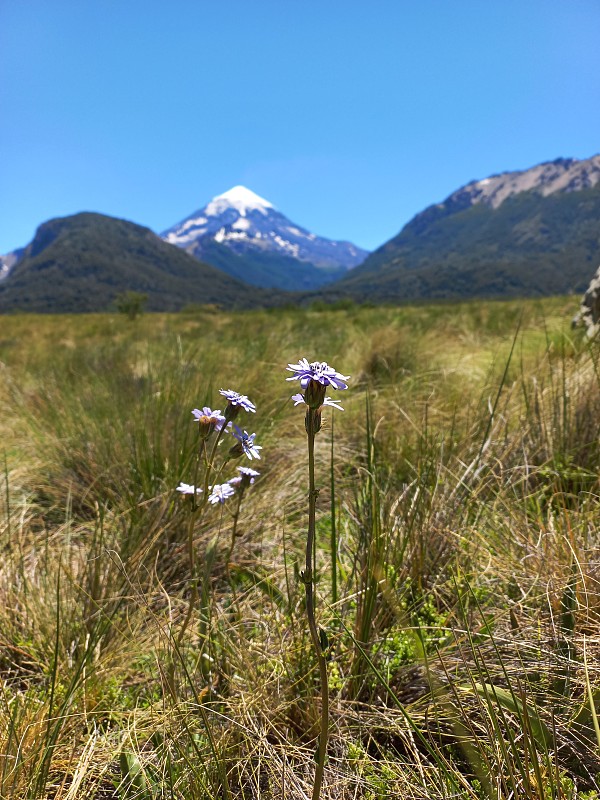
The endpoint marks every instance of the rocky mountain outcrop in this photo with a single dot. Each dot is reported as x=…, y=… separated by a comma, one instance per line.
x=526, y=233
x=561, y=175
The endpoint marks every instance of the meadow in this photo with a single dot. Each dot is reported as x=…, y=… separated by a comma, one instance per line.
x=150, y=652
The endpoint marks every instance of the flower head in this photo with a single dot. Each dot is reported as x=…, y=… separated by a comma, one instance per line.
x=208, y=420
x=317, y=371
x=186, y=488
x=252, y=473
x=220, y=492
x=245, y=444
x=246, y=477
x=314, y=378
x=235, y=402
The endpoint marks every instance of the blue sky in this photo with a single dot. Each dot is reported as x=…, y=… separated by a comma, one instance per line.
x=350, y=117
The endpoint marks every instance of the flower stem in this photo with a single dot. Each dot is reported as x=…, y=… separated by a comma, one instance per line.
x=234, y=528
x=210, y=463
x=197, y=507
x=310, y=606
x=193, y=580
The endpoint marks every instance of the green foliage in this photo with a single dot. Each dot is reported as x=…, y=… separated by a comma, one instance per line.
x=131, y=304
x=529, y=246
x=457, y=542
x=80, y=263
x=269, y=270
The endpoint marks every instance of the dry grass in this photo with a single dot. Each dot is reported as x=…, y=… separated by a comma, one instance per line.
x=464, y=636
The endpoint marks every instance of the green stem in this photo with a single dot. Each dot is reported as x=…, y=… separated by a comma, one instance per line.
x=210, y=463
x=234, y=527
x=333, y=538
x=197, y=507
x=193, y=580
x=190, y=548
x=201, y=454
x=310, y=608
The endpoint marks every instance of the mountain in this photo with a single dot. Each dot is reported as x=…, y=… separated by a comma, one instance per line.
x=82, y=262
x=526, y=233
x=245, y=236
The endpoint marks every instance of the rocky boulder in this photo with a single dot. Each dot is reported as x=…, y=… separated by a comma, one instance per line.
x=589, y=311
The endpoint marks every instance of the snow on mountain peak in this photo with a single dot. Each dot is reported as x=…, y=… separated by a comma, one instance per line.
x=239, y=198
x=249, y=225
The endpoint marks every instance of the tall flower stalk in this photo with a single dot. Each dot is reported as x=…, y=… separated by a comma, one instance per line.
x=314, y=379
x=242, y=482
x=212, y=425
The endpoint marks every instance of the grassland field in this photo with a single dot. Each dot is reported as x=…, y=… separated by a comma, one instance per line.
x=148, y=652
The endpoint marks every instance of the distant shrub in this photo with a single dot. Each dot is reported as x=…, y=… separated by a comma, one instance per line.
x=131, y=303
x=342, y=304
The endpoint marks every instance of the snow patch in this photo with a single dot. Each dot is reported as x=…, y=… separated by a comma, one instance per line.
x=288, y=247
x=239, y=198
x=6, y=264
x=193, y=223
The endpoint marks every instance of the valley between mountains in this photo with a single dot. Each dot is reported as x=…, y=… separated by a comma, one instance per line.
x=526, y=233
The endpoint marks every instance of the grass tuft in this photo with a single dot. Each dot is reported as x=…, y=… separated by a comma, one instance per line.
x=457, y=538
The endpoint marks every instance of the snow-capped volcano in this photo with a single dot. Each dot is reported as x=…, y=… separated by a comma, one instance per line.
x=233, y=215
x=251, y=228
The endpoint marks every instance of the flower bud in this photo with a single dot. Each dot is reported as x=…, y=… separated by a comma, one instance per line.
x=236, y=451
x=245, y=481
x=231, y=411
x=206, y=426
x=314, y=394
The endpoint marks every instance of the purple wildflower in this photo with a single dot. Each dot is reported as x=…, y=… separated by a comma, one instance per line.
x=318, y=371
x=235, y=399
x=208, y=419
x=220, y=492
x=186, y=488
x=245, y=444
x=245, y=478
x=252, y=473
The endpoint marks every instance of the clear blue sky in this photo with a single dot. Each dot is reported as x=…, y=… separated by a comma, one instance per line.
x=349, y=116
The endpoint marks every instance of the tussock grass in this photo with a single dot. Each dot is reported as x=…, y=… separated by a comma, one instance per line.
x=457, y=542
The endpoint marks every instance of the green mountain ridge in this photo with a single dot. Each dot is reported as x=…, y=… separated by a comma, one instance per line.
x=531, y=245
x=530, y=233
x=81, y=263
